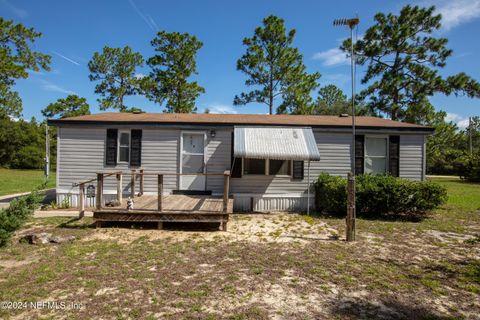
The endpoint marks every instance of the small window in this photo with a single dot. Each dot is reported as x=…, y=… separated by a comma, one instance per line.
x=375, y=155
x=279, y=167
x=254, y=166
x=124, y=147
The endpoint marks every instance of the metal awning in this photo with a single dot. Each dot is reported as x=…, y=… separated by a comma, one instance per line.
x=285, y=143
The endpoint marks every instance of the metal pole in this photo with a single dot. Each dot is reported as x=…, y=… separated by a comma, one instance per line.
x=354, y=211
x=47, y=152
x=308, y=189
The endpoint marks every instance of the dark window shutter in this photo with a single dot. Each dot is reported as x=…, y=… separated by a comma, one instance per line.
x=394, y=156
x=111, y=148
x=235, y=163
x=359, y=154
x=136, y=148
x=298, y=168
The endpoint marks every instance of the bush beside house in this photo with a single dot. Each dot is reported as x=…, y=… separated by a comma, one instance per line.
x=378, y=195
x=16, y=214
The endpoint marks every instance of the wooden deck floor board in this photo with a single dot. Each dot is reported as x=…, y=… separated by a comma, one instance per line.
x=179, y=203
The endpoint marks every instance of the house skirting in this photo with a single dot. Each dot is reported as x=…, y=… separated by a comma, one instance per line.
x=243, y=202
x=271, y=202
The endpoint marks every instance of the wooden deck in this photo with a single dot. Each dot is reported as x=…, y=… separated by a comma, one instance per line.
x=175, y=208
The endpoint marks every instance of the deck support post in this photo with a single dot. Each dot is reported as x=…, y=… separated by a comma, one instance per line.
x=160, y=225
x=132, y=185
x=141, y=182
x=160, y=192
x=98, y=224
x=119, y=188
x=99, y=200
x=81, y=213
x=226, y=185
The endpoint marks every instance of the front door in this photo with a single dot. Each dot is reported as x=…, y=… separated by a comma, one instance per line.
x=192, y=161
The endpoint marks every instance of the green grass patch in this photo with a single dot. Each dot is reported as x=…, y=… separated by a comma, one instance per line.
x=17, y=181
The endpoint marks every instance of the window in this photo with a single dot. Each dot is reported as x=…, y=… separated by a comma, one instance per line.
x=375, y=154
x=254, y=166
x=279, y=167
x=124, y=146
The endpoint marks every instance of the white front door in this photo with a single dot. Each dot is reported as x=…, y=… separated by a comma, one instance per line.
x=192, y=161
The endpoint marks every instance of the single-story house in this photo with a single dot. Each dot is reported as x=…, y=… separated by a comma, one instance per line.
x=271, y=157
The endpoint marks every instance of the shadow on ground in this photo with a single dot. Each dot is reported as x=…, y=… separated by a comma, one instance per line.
x=356, y=308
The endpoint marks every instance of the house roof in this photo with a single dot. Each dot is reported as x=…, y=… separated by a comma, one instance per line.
x=236, y=119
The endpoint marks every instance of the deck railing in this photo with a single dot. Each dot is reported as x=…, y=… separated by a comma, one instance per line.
x=141, y=174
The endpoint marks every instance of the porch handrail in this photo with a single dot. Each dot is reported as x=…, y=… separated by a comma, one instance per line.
x=119, y=175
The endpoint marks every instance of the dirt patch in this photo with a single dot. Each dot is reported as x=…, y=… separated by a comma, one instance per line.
x=273, y=227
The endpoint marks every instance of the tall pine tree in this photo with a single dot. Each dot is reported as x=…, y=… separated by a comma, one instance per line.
x=172, y=66
x=275, y=69
x=403, y=59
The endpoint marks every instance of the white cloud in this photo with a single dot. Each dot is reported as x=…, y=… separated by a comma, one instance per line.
x=49, y=86
x=332, y=57
x=66, y=58
x=139, y=76
x=455, y=12
x=21, y=13
x=221, y=108
x=462, y=122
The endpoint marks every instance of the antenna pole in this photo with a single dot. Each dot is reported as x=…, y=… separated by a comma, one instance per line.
x=353, y=195
x=47, y=152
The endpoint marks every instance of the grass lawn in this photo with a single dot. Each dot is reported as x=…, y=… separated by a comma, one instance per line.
x=15, y=181
x=280, y=266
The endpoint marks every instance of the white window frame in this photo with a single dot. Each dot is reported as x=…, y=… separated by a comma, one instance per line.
x=120, y=132
x=387, y=156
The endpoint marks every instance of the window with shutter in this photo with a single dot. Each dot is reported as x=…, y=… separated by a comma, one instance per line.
x=359, y=154
x=297, y=170
x=376, y=154
x=111, y=147
x=136, y=148
x=124, y=146
x=394, y=156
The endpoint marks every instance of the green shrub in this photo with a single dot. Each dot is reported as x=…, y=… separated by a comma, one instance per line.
x=378, y=195
x=16, y=214
x=469, y=167
x=330, y=193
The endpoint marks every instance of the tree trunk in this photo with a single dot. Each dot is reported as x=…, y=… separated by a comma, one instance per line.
x=270, y=91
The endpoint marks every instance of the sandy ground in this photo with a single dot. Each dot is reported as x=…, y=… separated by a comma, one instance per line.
x=273, y=227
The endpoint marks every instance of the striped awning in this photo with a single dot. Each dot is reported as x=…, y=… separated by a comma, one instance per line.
x=285, y=143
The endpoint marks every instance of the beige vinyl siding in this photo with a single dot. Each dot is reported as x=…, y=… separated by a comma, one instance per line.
x=81, y=153
x=218, y=158
x=160, y=149
x=412, y=157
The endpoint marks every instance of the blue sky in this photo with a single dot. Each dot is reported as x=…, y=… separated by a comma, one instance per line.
x=74, y=30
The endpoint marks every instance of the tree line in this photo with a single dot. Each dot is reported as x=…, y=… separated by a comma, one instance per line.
x=401, y=54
